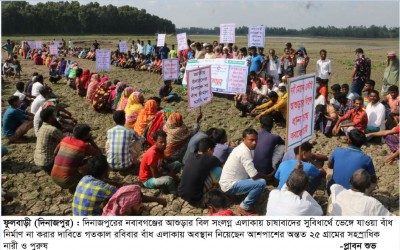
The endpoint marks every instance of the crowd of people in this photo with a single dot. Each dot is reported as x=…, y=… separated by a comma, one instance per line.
x=200, y=166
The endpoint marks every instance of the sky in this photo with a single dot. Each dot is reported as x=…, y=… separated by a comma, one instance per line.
x=289, y=14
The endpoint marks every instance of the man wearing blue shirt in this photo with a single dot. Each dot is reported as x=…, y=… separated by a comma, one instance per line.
x=301, y=162
x=256, y=61
x=16, y=122
x=345, y=161
x=148, y=48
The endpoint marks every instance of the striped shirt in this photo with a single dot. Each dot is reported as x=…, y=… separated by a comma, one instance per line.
x=91, y=195
x=119, y=146
x=70, y=157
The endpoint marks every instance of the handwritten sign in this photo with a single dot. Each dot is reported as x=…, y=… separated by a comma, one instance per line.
x=123, y=47
x=53, y=49
x=35, y=44
x=227, y=76
x=182, y=41
x=161, y=40
x=199, y=87
x=300, y=122
x=103, y=59
x=256, y=36
x=227, y=33
x=170, y=69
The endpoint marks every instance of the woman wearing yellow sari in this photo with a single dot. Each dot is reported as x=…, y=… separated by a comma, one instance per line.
x=132, y=109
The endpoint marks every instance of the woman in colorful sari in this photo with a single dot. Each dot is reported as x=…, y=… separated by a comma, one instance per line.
x=132, y=109
x=85, y=78
x=123, y=101
x=95, y=88
x=145, y=116
x=101, y=98
x=178, y=136
x=113, y=92
x=118, y=97
x=93, y=85
x=62, y=65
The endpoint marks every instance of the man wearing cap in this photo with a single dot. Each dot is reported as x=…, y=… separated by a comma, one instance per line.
x=256, y=61
x=361, y=72
x=391, y=74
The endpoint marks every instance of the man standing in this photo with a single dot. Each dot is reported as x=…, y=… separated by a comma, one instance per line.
x=237, y=170
x=16, y=122
x=201, y=173
x=324, y=66
x=358, y=119
x=273, y=66
x=355, y=201
x=270, y=148
x=391, y=74
x=256, y=61
x=122, y=144
x=345, y=161
x=96, y=45
x=361, y=72
x=149, y=48
x=164, y=51
x=9, y=47
x=293, y=199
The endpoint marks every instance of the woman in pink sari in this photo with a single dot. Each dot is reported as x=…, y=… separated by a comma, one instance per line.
x=124, y=98
x=93, y=85
x=103, y=80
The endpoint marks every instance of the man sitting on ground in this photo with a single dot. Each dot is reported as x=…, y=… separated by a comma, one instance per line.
x=355, y=201
x=123, y=145
x=69, y=164
x=152, y=170
x=48, y=138
x=376, y=114
x=276, y=107
x=303, y=156
x=345, y=161
x=239, y=176
x=93, y=190
x=16, y=122
x=357, y=116
x=293, y=199
x=201, y=174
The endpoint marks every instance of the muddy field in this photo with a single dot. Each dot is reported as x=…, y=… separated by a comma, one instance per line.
x=35, y=194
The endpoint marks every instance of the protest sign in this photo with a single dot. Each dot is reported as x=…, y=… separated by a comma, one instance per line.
x=300, y=119
x=53, y=49
x=32, y=44
x=199, y=87
x=182, y=42
x=170, y=69
x=123, y=47
x=103, y=59
x=227, y=33
x=256, y=36
x=227, y=76
x=161, y=40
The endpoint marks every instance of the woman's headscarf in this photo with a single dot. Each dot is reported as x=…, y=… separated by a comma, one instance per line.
x=146, y=114
x=123, y=101
x=94, y=81
x=97, y=86
x=101, y=97
x=177, y=133
x=120, y=89
x=132, y=109
x=123, y=200
x=85, y=77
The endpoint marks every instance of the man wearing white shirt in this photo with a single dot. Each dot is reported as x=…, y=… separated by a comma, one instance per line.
x=261, y=91
x=40, y=99
x=354, y=201
x=37, y=85
x=273, y=67
x=324, y=66
x=239, y=176
x=376, y=113
x=293, y=199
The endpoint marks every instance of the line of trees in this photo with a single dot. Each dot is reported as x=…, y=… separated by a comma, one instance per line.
x=330, y=31
x=72, y=18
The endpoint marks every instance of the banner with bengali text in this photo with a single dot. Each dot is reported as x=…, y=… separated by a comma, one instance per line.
x=199, y=87
x=103, y=59
x=170, y=69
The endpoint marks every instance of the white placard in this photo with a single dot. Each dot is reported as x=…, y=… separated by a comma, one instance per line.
x=256, y=36
x=123, y=47
x=103, y=59
x=227, y=33
x=161, y=40
x=199, y=87
x=32, y=44
x=53, y=49
x=170, y=69
x=300, y=120
x=182, y=41
x=227, y=76
x=38, y=44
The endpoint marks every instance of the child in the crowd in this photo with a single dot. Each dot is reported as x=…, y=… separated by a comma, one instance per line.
x=17, y=67
x=217, y=203
x=165, y=92
x=25, y=99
